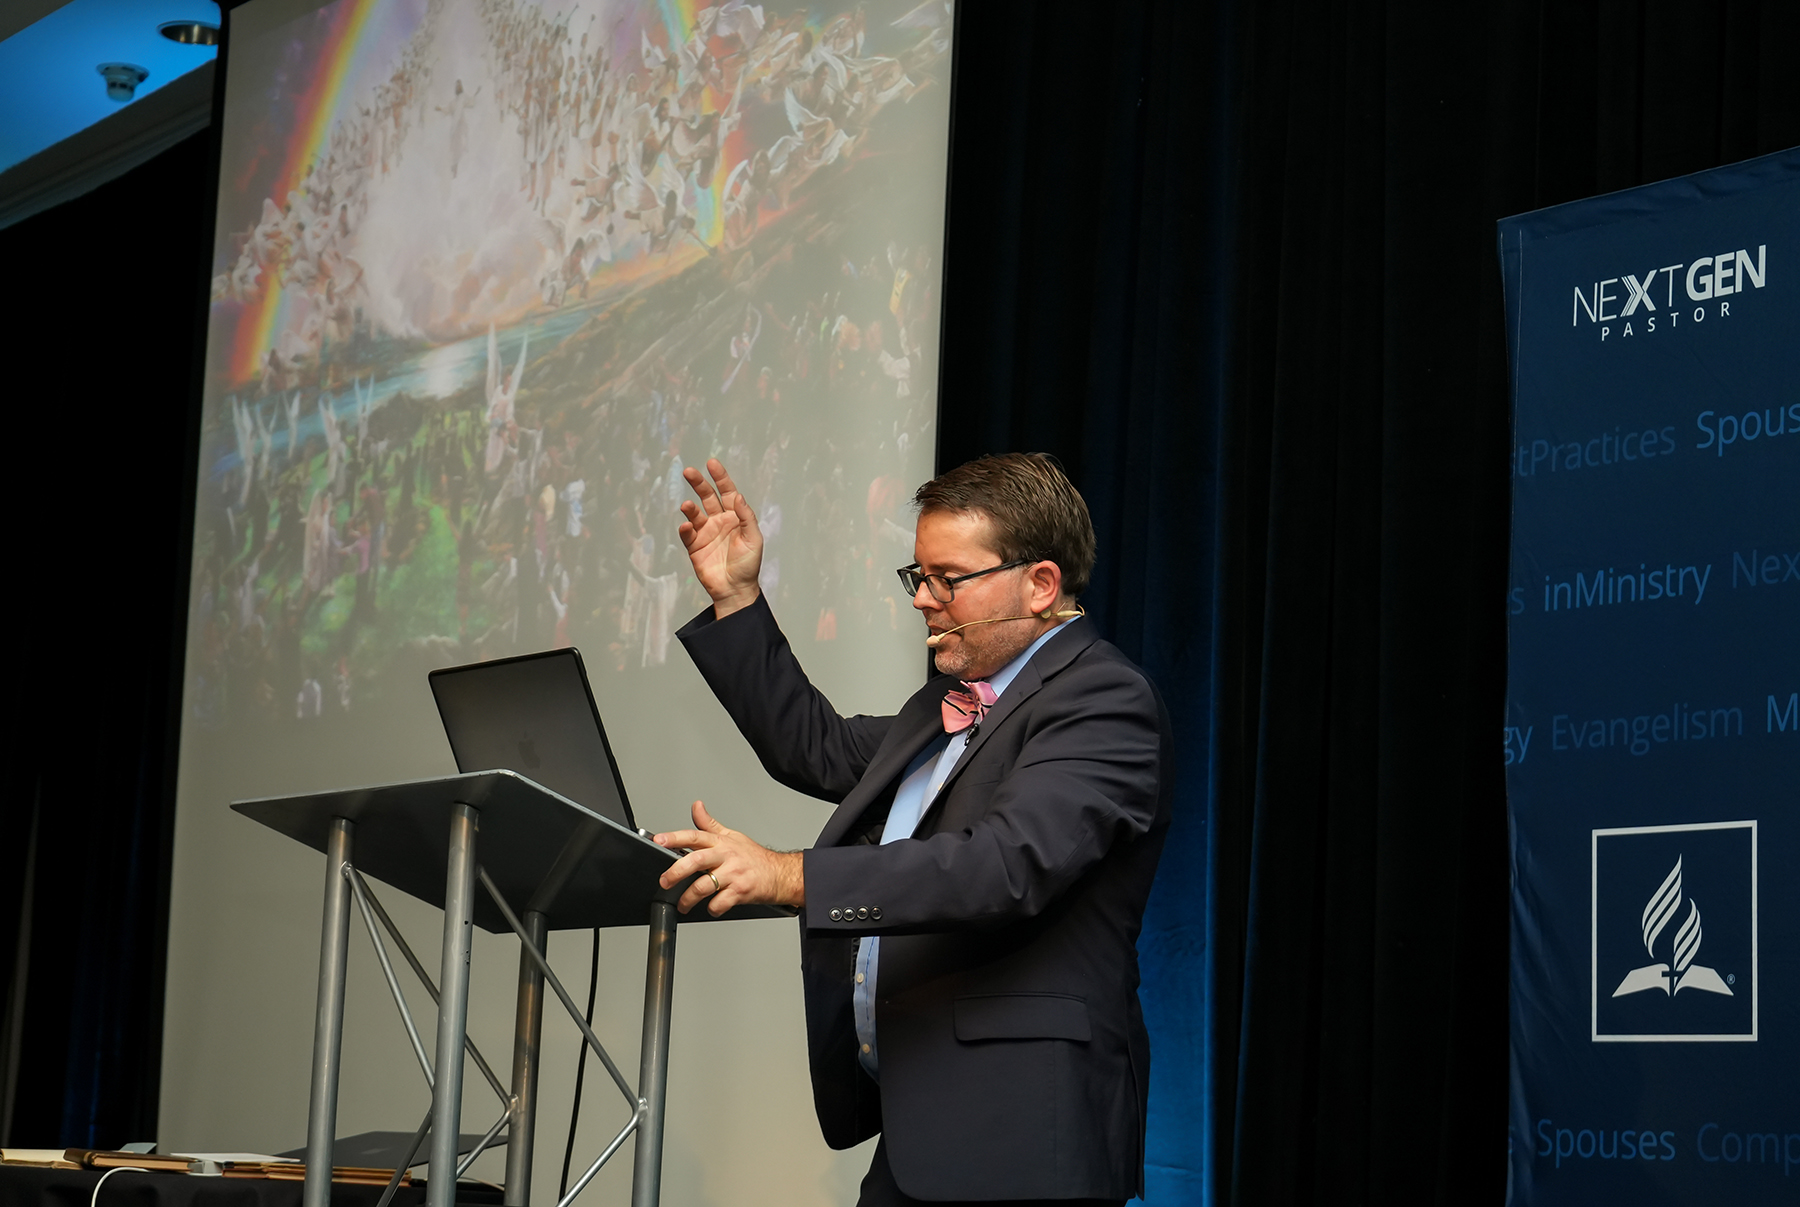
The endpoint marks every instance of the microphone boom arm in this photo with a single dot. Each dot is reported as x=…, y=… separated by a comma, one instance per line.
x=933, y=640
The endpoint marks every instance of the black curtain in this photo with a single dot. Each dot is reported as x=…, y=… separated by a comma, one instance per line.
x=1236, y=266
x=108, y=293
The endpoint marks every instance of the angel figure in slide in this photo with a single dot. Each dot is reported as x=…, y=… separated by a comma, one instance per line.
x=458, y=112
x=293, y=426
x=500, y=398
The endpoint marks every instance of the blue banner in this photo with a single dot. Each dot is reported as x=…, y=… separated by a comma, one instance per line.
x=1653, y=710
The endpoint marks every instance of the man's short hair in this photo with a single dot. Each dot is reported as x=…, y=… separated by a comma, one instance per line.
x=1034, y=511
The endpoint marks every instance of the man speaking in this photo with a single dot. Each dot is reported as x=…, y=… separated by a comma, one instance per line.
x=970, y=912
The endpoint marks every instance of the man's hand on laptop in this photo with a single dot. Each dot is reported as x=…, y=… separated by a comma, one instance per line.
x=731, y=868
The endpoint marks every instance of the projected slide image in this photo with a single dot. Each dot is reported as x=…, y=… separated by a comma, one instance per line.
x=488, y=272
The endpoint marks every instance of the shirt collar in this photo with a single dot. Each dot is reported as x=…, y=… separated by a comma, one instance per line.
x=1003, y=677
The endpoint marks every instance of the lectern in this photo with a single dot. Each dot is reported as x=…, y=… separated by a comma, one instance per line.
x=543, y=863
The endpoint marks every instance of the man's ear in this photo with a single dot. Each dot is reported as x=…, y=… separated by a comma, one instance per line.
x=1045, y=587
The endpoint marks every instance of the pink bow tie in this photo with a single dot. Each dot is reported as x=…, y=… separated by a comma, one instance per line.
x=963, y=709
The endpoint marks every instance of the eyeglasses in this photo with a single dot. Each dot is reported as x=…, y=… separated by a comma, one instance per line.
x=943, y=586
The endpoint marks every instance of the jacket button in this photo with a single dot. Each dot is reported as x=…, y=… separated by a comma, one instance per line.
x=863, y=914
x=875, y=913
x=837, y=915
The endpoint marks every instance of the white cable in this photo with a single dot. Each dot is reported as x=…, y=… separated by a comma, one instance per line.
x=95, y=1201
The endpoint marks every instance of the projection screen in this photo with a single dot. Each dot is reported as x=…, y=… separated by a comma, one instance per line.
x=487, y=273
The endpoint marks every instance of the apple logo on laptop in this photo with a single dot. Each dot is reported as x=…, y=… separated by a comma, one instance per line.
x=528, y=753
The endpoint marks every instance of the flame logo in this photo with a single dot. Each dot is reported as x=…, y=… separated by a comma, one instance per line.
x=1681, y=973
x=1663, y=904
x=1687, y=939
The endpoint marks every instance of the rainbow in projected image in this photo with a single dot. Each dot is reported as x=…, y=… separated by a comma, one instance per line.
x=485, y=268
x=342, y=40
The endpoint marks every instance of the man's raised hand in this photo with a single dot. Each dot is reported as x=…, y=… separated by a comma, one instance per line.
x=722, y=539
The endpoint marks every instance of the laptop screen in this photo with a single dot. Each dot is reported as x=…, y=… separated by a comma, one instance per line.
x=534, y=715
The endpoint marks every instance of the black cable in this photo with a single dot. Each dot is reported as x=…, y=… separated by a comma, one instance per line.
x=580, y=1067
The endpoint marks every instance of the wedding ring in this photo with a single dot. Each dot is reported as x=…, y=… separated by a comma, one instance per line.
x=716, y=885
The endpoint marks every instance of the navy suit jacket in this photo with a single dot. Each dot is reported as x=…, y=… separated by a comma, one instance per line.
x=1014, y=1059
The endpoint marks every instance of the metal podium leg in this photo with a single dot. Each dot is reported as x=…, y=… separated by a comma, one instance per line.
x=328, y=1019
x=528, y=1031
x=653, y=1059
x=453, y=1008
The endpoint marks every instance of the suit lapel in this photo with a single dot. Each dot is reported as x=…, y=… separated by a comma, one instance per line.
x=919, y=721
x=1044, y=665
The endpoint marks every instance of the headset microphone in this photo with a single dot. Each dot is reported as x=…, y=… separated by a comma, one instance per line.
x=935, y=638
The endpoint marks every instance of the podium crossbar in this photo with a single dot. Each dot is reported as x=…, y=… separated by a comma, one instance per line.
x=537, y=957
x=638, y=1106
x=631, y=1125
x=485, y=1141
x=387, y=970
x=406, y=1163
x=371, y=908
x=430, y=985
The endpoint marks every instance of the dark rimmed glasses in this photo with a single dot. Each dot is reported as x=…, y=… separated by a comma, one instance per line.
x=943, y=586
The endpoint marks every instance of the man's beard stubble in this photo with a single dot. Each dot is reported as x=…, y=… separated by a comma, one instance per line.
x=987, y=646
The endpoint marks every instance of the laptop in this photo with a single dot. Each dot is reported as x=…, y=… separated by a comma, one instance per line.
x=533, y=714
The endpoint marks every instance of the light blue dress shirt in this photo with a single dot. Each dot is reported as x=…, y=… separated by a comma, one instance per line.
x=923, y=780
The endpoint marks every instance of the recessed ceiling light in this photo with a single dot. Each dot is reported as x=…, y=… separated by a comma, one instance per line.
x=190, y=33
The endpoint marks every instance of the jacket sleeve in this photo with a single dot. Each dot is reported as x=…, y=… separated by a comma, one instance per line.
x=1086, y=778
x=800, y=739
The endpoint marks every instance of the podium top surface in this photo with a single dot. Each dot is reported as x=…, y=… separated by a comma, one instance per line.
x=543, y=851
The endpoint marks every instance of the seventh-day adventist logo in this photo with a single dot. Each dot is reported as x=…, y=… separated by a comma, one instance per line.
x=1681, y=973
x=1650, y=884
